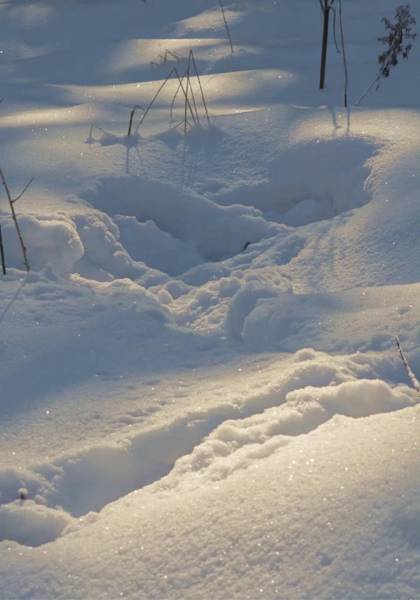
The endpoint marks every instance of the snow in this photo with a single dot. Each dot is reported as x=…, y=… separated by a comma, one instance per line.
x=53, y=241
x=31, y=524
x=216, y=232
x=200, y=390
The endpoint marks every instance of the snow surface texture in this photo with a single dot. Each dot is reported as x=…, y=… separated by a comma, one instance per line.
x=200, y=392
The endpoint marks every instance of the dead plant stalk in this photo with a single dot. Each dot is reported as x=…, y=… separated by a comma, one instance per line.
x=2, y=256
x=222, y=8
x=414, y=381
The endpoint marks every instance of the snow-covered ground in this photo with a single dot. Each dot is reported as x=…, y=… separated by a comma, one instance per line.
x=200, y=391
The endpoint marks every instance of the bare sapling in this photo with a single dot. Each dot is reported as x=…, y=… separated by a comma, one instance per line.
x=326, y=9
x=225, y=21
x=12, y=202
x=2, y=255
x=398, y=42
x=413, y=379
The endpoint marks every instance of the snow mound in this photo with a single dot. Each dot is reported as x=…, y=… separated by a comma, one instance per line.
x=356, y=399
x=205, y=444
x=87, y=244
x=104, y=256
x=237, y=444
x=265, y=318
x=243, y=303
x=271, y=320
x=334, y=180
x=216, y=232
x=31, y=524
x=50, y=240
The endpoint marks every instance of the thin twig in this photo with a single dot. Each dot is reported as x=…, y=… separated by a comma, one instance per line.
x=366, y=92
x=414, y=381
x=164, y=58
x=189, y=90
x=171, y=110
x=23, y=191
x=186, y=94
x=226, y=26
x=3, y=259
x=194, y=103
x=181, y=86
x=146, y=112
x=201, y=87
x=14, y=217
x=335, y=30
x=132, y=113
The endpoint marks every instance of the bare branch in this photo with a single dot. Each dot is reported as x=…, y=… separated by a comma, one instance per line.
x=146, y=112
x=23, y=191
x=14, y=217
x=3, y=259
x=335, y=30
x=226, y=26
x=201, y=87
x=398, y=41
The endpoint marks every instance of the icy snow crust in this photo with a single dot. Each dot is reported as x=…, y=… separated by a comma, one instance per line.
x=200, y=395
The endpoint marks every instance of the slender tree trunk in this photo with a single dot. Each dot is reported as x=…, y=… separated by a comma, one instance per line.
x=343, y=49
x=326, y=12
